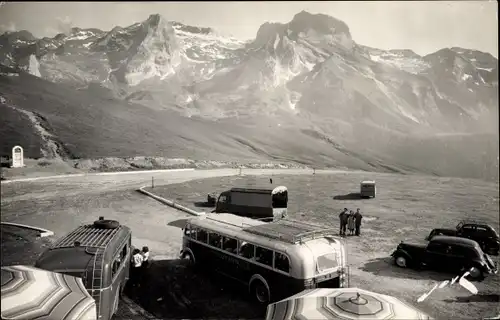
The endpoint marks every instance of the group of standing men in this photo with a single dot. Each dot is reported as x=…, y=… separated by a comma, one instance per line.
x=350, y=220
x=138, y=266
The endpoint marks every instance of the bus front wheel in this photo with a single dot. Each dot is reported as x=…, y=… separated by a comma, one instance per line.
x=260, y=292
x=188, y=257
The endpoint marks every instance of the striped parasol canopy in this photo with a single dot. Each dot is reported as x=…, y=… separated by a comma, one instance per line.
x=31, y=293
x=346, y=303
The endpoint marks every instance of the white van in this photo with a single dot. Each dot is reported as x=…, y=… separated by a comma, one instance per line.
x=368, y=189
x=274, y=260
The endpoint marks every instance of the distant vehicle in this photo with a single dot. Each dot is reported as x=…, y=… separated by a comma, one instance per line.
x=263, y=204
x=478, y=231
x=446, y=253
x=368, y=189
x=212, y=198
x=274, y=260
x=100, y=254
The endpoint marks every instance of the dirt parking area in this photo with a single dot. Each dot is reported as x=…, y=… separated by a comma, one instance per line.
x=406, y=208
x=171, y=292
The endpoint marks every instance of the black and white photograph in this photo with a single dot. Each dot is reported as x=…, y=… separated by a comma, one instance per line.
x=269, y=160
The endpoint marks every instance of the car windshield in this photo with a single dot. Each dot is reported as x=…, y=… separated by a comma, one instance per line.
x=489, y=260
x=495, y=232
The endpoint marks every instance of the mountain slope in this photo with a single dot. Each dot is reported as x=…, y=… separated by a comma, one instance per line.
x=302, y=91
x=89, y=125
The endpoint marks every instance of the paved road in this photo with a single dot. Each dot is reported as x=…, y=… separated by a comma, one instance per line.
x=63, y=203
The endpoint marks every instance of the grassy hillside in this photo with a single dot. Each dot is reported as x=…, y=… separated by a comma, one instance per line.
x=90, y=124
x=17, y=128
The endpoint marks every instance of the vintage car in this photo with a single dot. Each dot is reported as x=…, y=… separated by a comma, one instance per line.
x=448, y=254
x=479, y=231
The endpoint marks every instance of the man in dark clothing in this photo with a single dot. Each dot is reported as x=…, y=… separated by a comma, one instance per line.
x=343, y=216
x=357, y=221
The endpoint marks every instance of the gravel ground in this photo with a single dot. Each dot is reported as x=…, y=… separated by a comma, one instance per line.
x=61, y=204
x=407, y=207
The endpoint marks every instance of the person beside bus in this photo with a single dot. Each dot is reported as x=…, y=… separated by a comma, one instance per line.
x=343, y=221
x=350, y=223
x=357, y=218
x=135, y=268
x=145, y=257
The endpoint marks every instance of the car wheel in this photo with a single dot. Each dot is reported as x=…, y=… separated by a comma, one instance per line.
x=475, y=274
x=401, y=261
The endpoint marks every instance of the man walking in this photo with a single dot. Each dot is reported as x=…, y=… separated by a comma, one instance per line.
x=357, y=221
x=343, y=216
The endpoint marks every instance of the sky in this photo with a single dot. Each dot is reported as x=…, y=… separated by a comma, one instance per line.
x=423, y=26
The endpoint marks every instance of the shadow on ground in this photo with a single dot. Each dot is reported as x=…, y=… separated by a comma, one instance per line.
x=385, y=267
x=475, y=298
x=174, y=290
x=205, y=204
x=349, y=196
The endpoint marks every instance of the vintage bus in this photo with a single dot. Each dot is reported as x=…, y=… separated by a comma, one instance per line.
x=367, y=189
x=274, y=260
x=100, y=254
x=262, y=204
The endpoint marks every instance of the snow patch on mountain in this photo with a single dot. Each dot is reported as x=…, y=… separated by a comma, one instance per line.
x=411, y=64
x=34, y=66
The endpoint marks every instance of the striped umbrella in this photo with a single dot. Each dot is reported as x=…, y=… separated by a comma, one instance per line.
x=32, y=293
x=348, y=303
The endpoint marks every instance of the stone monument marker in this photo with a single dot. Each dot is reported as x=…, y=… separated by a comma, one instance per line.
x=17, y=157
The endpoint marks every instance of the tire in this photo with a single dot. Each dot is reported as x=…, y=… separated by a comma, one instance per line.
x=476, y=274
x=260, y=293
x=188, y=257
x=401, y=261
x=106, y=224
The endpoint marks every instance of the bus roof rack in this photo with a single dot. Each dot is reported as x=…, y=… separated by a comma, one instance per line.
x=87, y=236
x=291, y=231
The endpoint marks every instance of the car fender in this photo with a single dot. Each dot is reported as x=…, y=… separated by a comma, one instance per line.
x=403, y=253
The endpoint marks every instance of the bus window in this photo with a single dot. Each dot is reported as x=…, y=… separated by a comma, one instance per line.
x=190, y=232
x=264, y=256
x=281, y=262
x=124, y=252
x=230, y=245
x=116, y=265
x=215, y=239
x=246, y=250
x=202, y=236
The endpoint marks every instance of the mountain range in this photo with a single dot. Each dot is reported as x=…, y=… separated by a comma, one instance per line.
x=303, y=91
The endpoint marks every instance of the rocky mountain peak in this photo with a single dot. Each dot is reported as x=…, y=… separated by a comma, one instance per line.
x=320, y=23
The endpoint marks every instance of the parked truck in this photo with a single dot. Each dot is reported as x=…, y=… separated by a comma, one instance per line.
x=262, y=204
